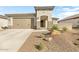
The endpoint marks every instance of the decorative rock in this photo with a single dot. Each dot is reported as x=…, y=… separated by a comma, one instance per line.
x=55, y=32
x=50, y=38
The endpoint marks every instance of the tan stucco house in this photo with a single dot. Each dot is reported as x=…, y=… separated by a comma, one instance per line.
x=69, y=22
x=41, y=19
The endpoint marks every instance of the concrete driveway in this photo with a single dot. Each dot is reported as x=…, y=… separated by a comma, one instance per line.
x=12, y=39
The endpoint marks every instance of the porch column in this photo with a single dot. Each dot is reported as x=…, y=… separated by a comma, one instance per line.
x=46, y=24
x=38, y=24
x=11, y=21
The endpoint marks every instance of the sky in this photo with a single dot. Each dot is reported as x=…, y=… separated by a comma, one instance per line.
x=65, y=11
x=59, y=11
x=16, y=9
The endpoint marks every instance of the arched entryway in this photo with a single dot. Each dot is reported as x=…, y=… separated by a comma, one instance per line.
x=43, y=21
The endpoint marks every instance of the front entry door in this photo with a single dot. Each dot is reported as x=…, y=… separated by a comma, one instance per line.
x=42, y=23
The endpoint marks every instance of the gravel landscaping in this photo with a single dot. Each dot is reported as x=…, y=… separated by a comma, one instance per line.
x=39, y=42
x=26, y=40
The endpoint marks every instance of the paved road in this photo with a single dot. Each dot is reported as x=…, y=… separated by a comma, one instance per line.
x=12, y=39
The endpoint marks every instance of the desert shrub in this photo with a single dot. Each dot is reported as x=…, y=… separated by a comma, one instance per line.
x=4, y=27
x=54, y=27
x=64, y=29
x=44, y=39
x=39, y=46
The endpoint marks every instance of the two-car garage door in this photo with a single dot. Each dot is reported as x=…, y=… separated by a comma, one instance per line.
x=21, y=23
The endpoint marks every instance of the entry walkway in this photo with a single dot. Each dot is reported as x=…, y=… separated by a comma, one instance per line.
x=12, y=39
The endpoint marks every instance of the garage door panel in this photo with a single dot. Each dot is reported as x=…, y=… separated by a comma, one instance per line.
x=22, y=23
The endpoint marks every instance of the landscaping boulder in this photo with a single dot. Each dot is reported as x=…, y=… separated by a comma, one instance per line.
x=55, y=32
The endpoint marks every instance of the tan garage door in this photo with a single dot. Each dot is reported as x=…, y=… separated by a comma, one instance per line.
x=22, y=23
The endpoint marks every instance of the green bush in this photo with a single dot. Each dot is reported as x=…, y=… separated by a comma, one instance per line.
x=54, y=27
x=39, y=46
x=64, y=29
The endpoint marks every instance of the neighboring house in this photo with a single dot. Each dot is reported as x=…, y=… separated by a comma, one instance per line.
x=69, y=22
x=41, y=19
x=3, y=21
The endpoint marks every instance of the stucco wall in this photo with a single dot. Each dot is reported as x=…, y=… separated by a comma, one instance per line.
x=22, y=23
x=44, y=13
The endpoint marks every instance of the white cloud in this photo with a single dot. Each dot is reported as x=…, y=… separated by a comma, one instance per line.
x=66, y=14
x=70, y=9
